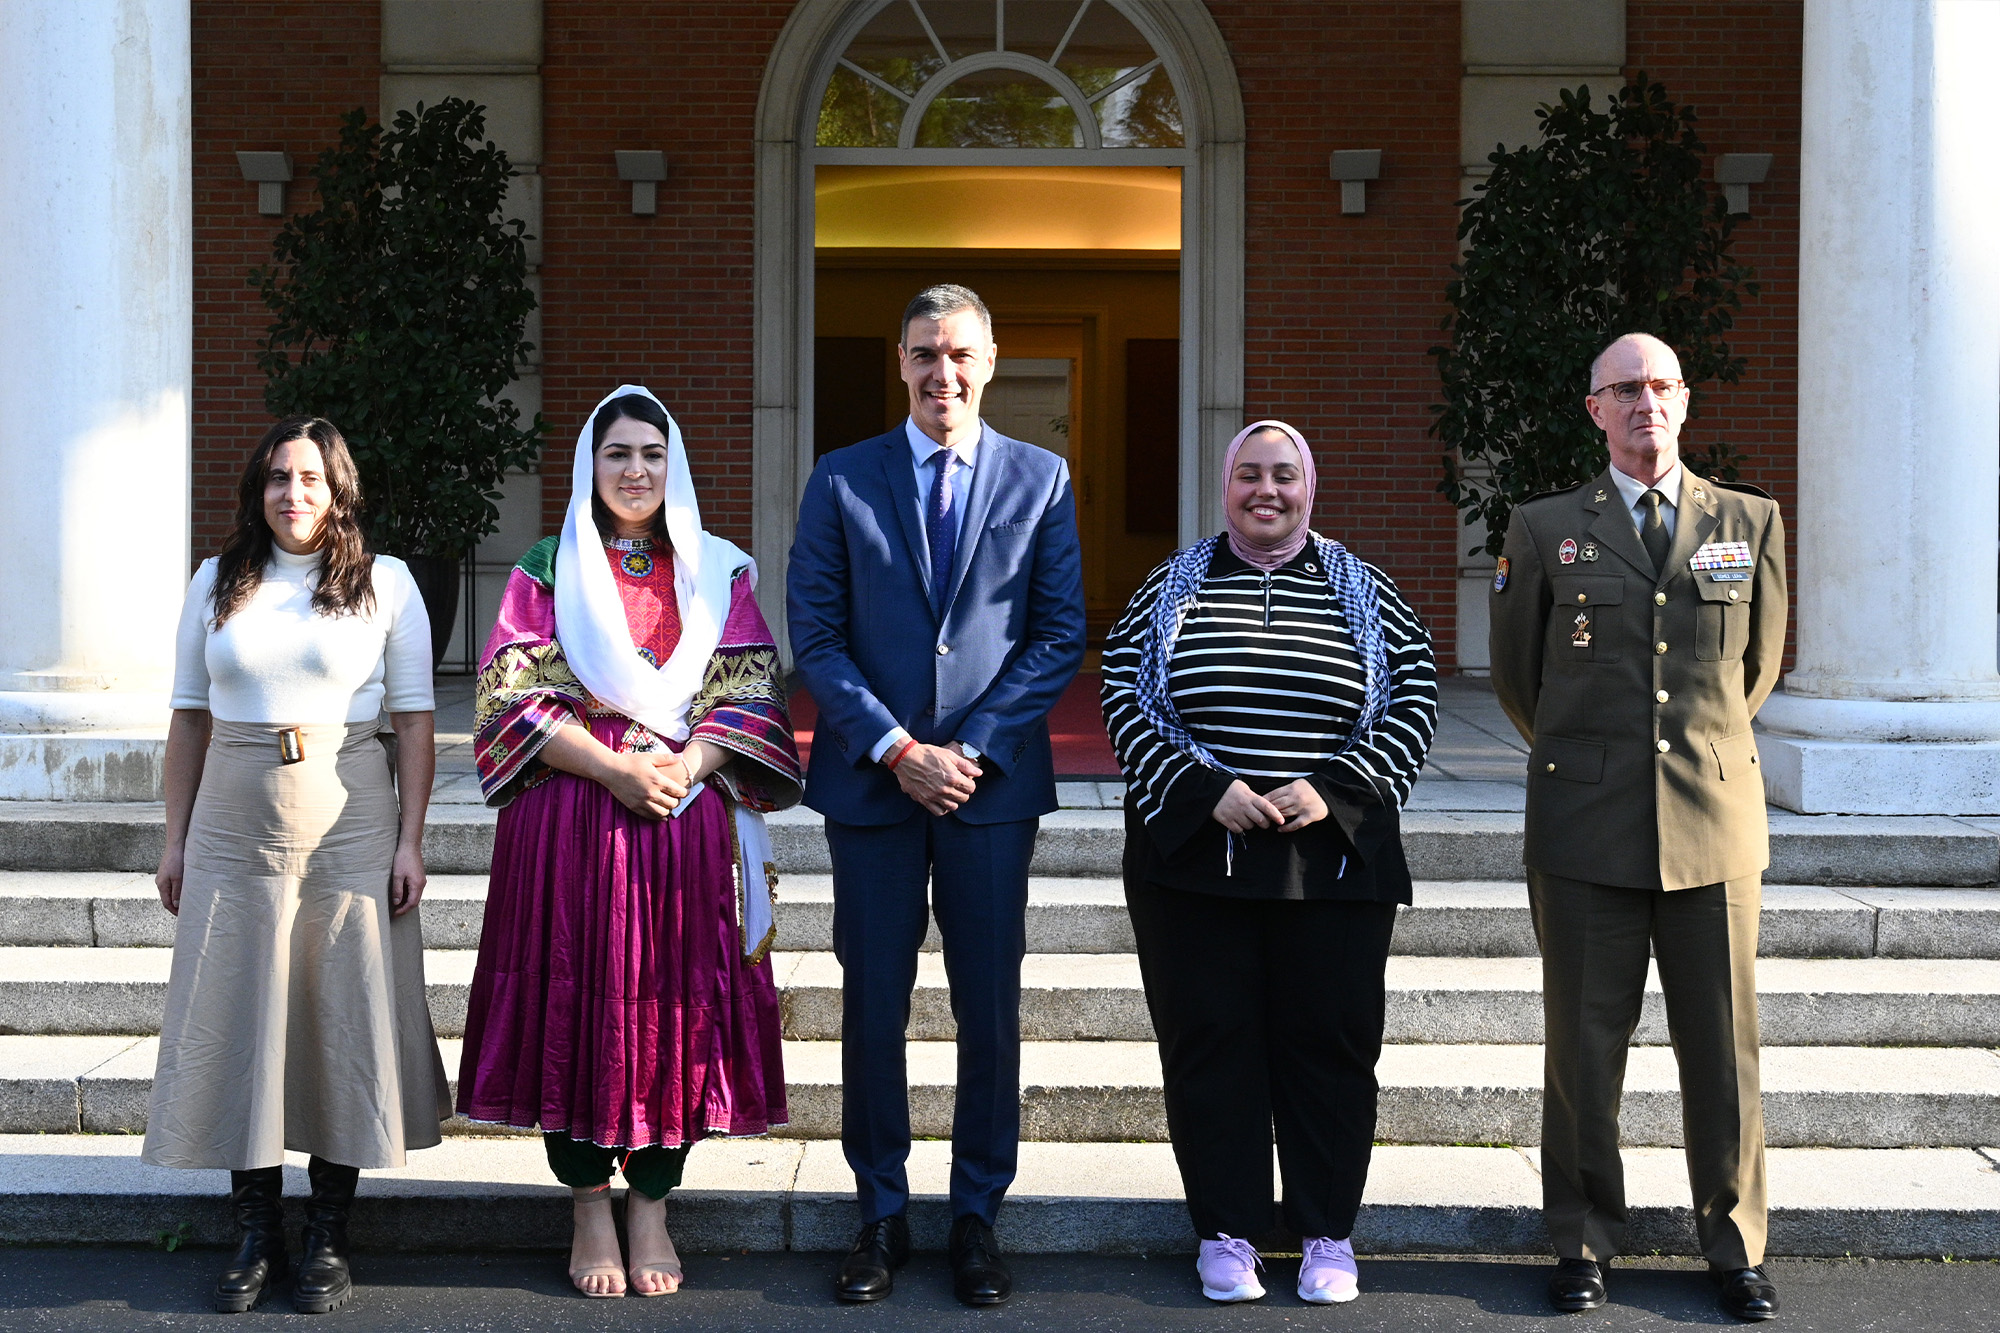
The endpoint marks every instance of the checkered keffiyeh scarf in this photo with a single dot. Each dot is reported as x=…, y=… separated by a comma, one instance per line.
x=1353, y=587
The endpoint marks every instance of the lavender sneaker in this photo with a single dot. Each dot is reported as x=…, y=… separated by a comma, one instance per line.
x=1228, y=1270
x=1327, y=1275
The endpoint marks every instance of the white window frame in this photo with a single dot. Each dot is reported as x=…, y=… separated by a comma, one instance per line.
x=1187, y=43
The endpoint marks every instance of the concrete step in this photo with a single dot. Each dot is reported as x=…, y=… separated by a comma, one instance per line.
x=1109, y=1198
x=1802, y=1002
x=1464, y=919
x=1109, y=1092
x=1442, y=845
x=1097, y=997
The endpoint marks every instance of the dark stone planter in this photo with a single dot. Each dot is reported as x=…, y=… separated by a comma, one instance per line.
x=438, y=580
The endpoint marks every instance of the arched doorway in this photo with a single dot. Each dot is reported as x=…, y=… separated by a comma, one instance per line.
x=925, y=112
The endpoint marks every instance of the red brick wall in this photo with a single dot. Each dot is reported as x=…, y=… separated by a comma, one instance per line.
x=1340, y=310
x=1737, y=63
x=273, y=74
x=663, y=300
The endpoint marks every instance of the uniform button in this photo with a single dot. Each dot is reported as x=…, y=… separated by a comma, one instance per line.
x=944, y=648
x=1734, y=595
x=1659, y=647
x=1664, y=747
x=1551, y=768
x=1659, y=599
x=1661, y=696
x=1582, y=597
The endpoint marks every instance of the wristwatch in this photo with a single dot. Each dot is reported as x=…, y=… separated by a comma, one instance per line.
x=972, y=752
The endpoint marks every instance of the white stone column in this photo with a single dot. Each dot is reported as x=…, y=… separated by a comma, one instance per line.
x=96, y=362
x=1894, y=702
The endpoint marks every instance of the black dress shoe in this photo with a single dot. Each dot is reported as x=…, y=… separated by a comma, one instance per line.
x=1577, y=1284
x=259, y=1262
x=1747, y=1293
x=979, y=1275
x=323, y=1283
x=868, y=1273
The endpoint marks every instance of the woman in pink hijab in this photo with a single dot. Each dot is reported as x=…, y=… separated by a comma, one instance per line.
x=1271, y=699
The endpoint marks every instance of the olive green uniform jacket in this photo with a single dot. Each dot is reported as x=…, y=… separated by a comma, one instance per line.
x=1635, y=690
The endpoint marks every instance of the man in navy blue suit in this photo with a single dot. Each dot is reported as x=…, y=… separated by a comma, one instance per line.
x=936, y=609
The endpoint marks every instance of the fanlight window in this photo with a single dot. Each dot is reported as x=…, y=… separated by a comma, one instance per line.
x=1000, y=74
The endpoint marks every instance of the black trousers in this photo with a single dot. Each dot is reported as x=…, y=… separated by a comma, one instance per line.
x=1268, y=1013
x=977, y=881
x=653, y=1171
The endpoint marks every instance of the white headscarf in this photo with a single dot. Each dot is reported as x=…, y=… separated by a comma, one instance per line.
x=590, y=616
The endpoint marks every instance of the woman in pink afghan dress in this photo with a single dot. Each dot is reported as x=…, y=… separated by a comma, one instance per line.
x=623, y=1000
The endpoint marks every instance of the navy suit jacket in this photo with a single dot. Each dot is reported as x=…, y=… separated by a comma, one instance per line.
x=877, y=655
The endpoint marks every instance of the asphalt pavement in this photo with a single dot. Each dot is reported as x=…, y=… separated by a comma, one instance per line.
x=117, y=1289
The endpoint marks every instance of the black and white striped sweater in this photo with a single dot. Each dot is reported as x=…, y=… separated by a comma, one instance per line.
x=1265, y=674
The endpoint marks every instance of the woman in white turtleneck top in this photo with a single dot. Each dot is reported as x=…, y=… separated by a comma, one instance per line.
x=278, y=660
x=295, y=1016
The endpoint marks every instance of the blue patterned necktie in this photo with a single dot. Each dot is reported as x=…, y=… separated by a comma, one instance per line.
x=939, y=526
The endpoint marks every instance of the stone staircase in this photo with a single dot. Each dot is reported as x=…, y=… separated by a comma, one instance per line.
x=1881, y=1005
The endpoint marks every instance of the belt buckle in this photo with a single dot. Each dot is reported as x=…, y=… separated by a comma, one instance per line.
x=291, y=745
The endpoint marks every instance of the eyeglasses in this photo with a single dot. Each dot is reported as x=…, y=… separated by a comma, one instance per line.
x=1627, y=391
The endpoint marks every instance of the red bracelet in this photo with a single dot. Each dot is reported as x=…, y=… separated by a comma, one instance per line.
x=901, y=752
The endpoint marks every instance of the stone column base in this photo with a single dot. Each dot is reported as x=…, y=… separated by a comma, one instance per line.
x=82, y=765
x=1818, y=777
x=1880, y=757
x=82, y=745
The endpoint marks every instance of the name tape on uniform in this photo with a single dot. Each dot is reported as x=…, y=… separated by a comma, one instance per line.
x=1721, y=555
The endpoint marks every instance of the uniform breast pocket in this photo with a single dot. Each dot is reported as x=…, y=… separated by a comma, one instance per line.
x=1722, y=621
x=1584, y=622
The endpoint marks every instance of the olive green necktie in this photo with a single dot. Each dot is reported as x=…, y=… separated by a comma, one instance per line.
x=1654, y=532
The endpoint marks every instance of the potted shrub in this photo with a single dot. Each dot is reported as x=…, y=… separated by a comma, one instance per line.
x=1606, y=226
x=399, y=305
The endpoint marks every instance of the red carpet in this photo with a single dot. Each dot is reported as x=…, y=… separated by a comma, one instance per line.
x=1076, y=727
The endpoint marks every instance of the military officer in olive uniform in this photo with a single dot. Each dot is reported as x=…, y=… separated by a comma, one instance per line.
x=1637, y=625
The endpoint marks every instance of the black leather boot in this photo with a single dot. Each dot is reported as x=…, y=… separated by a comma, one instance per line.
x=323, y=1282
x=260, y=1262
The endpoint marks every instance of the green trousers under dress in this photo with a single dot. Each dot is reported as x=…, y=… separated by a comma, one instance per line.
x=582, y=1166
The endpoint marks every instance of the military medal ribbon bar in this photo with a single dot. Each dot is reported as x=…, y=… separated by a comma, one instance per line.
x=1721, y=555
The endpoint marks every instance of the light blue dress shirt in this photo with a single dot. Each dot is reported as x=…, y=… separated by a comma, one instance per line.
x=922, y=447
x=1633, y=493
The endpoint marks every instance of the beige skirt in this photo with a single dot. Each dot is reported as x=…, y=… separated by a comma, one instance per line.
x=295, y=1013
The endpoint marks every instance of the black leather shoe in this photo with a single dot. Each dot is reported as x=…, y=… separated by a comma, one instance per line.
x=868, y=1273
x=324, y=1283
x=1577, y=1284
x=260, y=1262
x=1747, y=1293
x=979, y=1275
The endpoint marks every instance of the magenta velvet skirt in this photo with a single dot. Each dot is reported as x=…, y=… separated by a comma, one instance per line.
x=612, y=1001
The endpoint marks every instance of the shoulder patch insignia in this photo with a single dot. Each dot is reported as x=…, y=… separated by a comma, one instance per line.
x=1500, y=576
x=1567, y=551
